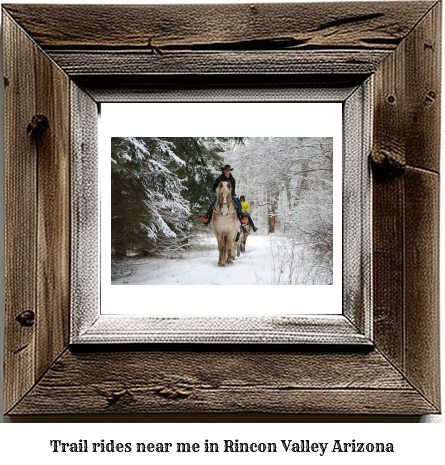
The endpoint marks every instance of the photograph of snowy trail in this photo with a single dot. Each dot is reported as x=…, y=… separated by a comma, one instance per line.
x=261, y=263
x=169, y=197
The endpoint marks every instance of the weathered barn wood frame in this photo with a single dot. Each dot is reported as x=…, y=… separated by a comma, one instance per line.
x=76, y=56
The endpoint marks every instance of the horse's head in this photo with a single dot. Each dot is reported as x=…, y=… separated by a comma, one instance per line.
x=224, y=192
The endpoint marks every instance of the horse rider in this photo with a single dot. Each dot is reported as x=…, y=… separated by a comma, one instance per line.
x=226, y=176
x=246, y=208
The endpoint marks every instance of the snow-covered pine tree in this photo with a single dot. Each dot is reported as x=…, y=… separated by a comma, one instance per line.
x=160, y=187
x=148, y=210
x=202, y=157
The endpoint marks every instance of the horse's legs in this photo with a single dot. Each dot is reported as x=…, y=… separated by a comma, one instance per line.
x=243, y=241
x=230, y=251
x=222, y=250
x=236, y=252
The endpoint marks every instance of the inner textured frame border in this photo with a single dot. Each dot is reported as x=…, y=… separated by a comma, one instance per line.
x=241, y=46
x=89, y=326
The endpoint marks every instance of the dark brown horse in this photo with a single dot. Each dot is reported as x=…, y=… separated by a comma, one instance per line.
x=244, y=234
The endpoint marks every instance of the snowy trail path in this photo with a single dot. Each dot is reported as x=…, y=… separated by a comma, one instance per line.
x=252, y=267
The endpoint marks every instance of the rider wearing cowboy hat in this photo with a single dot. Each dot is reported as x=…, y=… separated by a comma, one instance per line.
x=246, y=208
x=226, y=176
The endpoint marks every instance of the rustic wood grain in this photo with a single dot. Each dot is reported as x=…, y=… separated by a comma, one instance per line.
x=423, y=91
x=342, y=25
x=357, y=209
x=389, y=142
x=78, y=63
x=20, y=212
x=85, y=210
x=422, y=281
x=218, y=382
x=399, y=377
x=219, y=88
x=37, y=222
x=406, y=133
x=408, y=85
x=90, y=327
x=388, y=268
x=53, y=255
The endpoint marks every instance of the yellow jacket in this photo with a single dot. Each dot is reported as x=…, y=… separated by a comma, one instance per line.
x=245, y=207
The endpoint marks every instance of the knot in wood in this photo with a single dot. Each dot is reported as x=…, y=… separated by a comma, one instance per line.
x=173, y=393
x=387, y=163
x=37, y=126
x=113, y=394
x=26, y=318
x=430, y=97
x=114, y=397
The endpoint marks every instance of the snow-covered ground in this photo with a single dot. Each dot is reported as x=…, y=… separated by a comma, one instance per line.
x=267, y=260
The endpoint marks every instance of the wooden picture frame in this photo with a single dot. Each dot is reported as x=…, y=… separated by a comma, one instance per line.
x=76, y=56
x=91, y=321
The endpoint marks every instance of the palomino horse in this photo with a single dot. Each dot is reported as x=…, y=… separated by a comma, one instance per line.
x=225, y=223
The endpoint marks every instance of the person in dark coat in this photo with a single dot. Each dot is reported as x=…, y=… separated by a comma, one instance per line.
x=226, y=176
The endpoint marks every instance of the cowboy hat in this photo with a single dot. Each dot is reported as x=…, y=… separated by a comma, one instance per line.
x=227, y=167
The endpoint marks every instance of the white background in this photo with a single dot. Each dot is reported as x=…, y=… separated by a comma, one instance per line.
x=21, y=442
x=208, y=120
